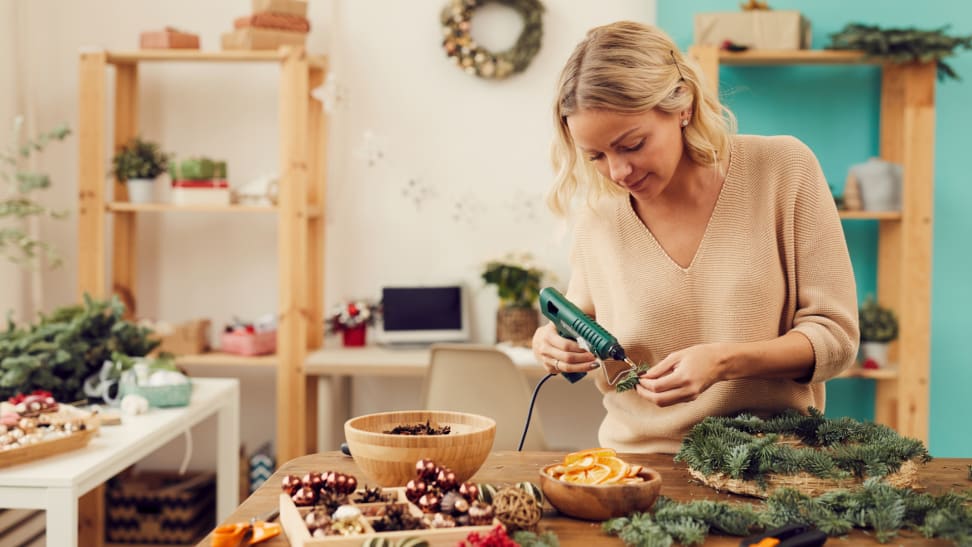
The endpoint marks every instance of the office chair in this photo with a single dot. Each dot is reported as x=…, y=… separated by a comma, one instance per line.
x=481, y=379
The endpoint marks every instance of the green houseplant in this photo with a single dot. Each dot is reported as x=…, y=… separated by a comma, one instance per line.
x=139, y=163
x=879, y=327
x=18, y=197
x=517, y=282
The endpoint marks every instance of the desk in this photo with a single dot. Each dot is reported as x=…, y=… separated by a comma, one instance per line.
x=55, y=484
x=506, y=467
x=333, y=368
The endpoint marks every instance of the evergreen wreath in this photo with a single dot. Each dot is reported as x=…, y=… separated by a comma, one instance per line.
x=476, y=60
x=750, y=455
x=875, y=506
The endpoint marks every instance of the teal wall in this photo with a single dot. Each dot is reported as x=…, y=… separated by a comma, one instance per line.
x=835, y=111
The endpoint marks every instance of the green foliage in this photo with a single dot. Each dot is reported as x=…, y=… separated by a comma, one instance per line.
x=61, y=350
x=201, y=168
x=139, y=159
x=902, y=45
x=17, y=197
x=526, y=538
x=876, y=506
x=878, y=324
x=630, y=379
x=747, y=447
x=516, y=279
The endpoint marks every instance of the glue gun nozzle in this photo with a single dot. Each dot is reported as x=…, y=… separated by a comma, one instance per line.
x=630, y=362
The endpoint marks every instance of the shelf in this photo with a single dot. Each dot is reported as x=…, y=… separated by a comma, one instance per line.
x=795, y=57
x=125, y=207
x=870, y=374
x=216, y=358
x=191, y=55
x=870, y=215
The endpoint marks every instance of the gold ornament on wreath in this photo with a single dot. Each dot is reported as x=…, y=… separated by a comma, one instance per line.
x=476, y=60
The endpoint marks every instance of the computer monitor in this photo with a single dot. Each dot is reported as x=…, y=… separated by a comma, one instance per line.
x=424, y=314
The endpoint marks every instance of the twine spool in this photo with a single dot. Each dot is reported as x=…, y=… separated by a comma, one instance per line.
x=516, y=509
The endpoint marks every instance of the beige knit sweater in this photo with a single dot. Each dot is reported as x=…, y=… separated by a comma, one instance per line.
x=773, y=259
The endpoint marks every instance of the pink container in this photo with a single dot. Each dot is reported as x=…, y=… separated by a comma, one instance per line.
x=245, y=343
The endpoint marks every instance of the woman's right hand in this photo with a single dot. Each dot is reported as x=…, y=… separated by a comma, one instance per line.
x=558, y=354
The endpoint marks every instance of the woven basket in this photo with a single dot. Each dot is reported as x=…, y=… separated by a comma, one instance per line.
x=516, y=325
x=160, y=396
x=805, y=483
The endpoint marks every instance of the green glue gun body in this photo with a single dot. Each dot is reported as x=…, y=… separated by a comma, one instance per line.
x=574, y=324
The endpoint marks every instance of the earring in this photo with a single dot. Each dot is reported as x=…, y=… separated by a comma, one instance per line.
x=684, y=123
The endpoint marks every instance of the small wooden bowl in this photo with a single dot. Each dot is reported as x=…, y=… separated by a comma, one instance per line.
x=389, y=460
x=600, y=502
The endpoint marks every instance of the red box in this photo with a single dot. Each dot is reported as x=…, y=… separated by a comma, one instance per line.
x=246, y=343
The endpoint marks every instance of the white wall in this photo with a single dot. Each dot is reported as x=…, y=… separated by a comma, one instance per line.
x=462, y=172
x=11, y=277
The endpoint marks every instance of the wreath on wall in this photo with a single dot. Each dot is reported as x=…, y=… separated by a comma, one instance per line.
x=458, y=44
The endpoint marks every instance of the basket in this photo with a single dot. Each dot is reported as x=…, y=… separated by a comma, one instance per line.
x=160, y=396
x=160, y=507
x=516, y=325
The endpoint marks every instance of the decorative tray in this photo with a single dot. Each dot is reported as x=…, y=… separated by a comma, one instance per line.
x=292, y=519
x=47, y=435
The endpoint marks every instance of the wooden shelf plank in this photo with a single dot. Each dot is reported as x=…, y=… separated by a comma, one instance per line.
x=870, y=215
x=227, y=359
x=125, y=207
x=870, y=374
x=795, y=57
x=192, y=55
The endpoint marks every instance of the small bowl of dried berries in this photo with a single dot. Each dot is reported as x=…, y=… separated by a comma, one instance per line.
x=385, y=446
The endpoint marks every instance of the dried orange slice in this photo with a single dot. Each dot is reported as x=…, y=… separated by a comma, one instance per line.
x=591, y=452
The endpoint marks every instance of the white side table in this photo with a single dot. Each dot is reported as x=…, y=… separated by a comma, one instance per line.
x=55, y=484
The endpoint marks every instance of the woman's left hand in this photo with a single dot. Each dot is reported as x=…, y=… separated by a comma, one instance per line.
x=683, y=375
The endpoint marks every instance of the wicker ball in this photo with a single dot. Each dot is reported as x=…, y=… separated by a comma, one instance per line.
x=517, y=509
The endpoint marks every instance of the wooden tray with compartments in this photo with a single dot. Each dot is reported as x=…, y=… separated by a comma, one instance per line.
x=52, y=447
x=292, y=521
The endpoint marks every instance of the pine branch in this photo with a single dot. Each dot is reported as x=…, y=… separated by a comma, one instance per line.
x=630, y=379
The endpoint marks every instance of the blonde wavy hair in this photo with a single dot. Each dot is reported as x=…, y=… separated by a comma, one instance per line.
x=631, y=68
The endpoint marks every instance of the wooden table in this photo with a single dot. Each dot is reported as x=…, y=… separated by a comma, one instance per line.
x=506, y=467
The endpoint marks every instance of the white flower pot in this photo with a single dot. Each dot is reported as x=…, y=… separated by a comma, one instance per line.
x=140, y=190
x=878, y=351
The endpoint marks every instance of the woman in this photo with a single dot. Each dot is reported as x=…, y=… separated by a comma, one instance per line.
x=718, y=259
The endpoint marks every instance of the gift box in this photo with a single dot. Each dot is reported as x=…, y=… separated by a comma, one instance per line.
x=168, y=38
x=758, y=29
x=286, y=7
x=200, y=192
x=241, y=342
x=252, y=38
x=160, y=507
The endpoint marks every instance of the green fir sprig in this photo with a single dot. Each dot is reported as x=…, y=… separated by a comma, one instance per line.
x=902, y=45
x=876, y=506
x=61, y=350
x=526, y=538
x=747, y=447
x=630, y=379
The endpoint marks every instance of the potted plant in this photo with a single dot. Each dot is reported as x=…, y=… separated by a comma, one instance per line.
x=352, y=319
x=879, y=326
x=518, y=282
x=139, y=163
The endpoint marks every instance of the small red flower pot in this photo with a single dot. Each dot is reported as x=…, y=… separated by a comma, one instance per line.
x=355, y=336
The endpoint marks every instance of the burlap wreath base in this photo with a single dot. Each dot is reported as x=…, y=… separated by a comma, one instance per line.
x=906, y=477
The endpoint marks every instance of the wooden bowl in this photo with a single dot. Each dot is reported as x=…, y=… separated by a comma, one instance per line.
x=389, y=460
x=600, y=502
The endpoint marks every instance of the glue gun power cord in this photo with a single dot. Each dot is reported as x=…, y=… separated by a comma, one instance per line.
x=533, y=399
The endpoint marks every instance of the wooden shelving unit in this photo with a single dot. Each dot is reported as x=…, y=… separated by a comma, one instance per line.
x=300, y=213
x=905, y=238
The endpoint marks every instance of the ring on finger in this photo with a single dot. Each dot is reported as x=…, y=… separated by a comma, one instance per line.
x=557, y=365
